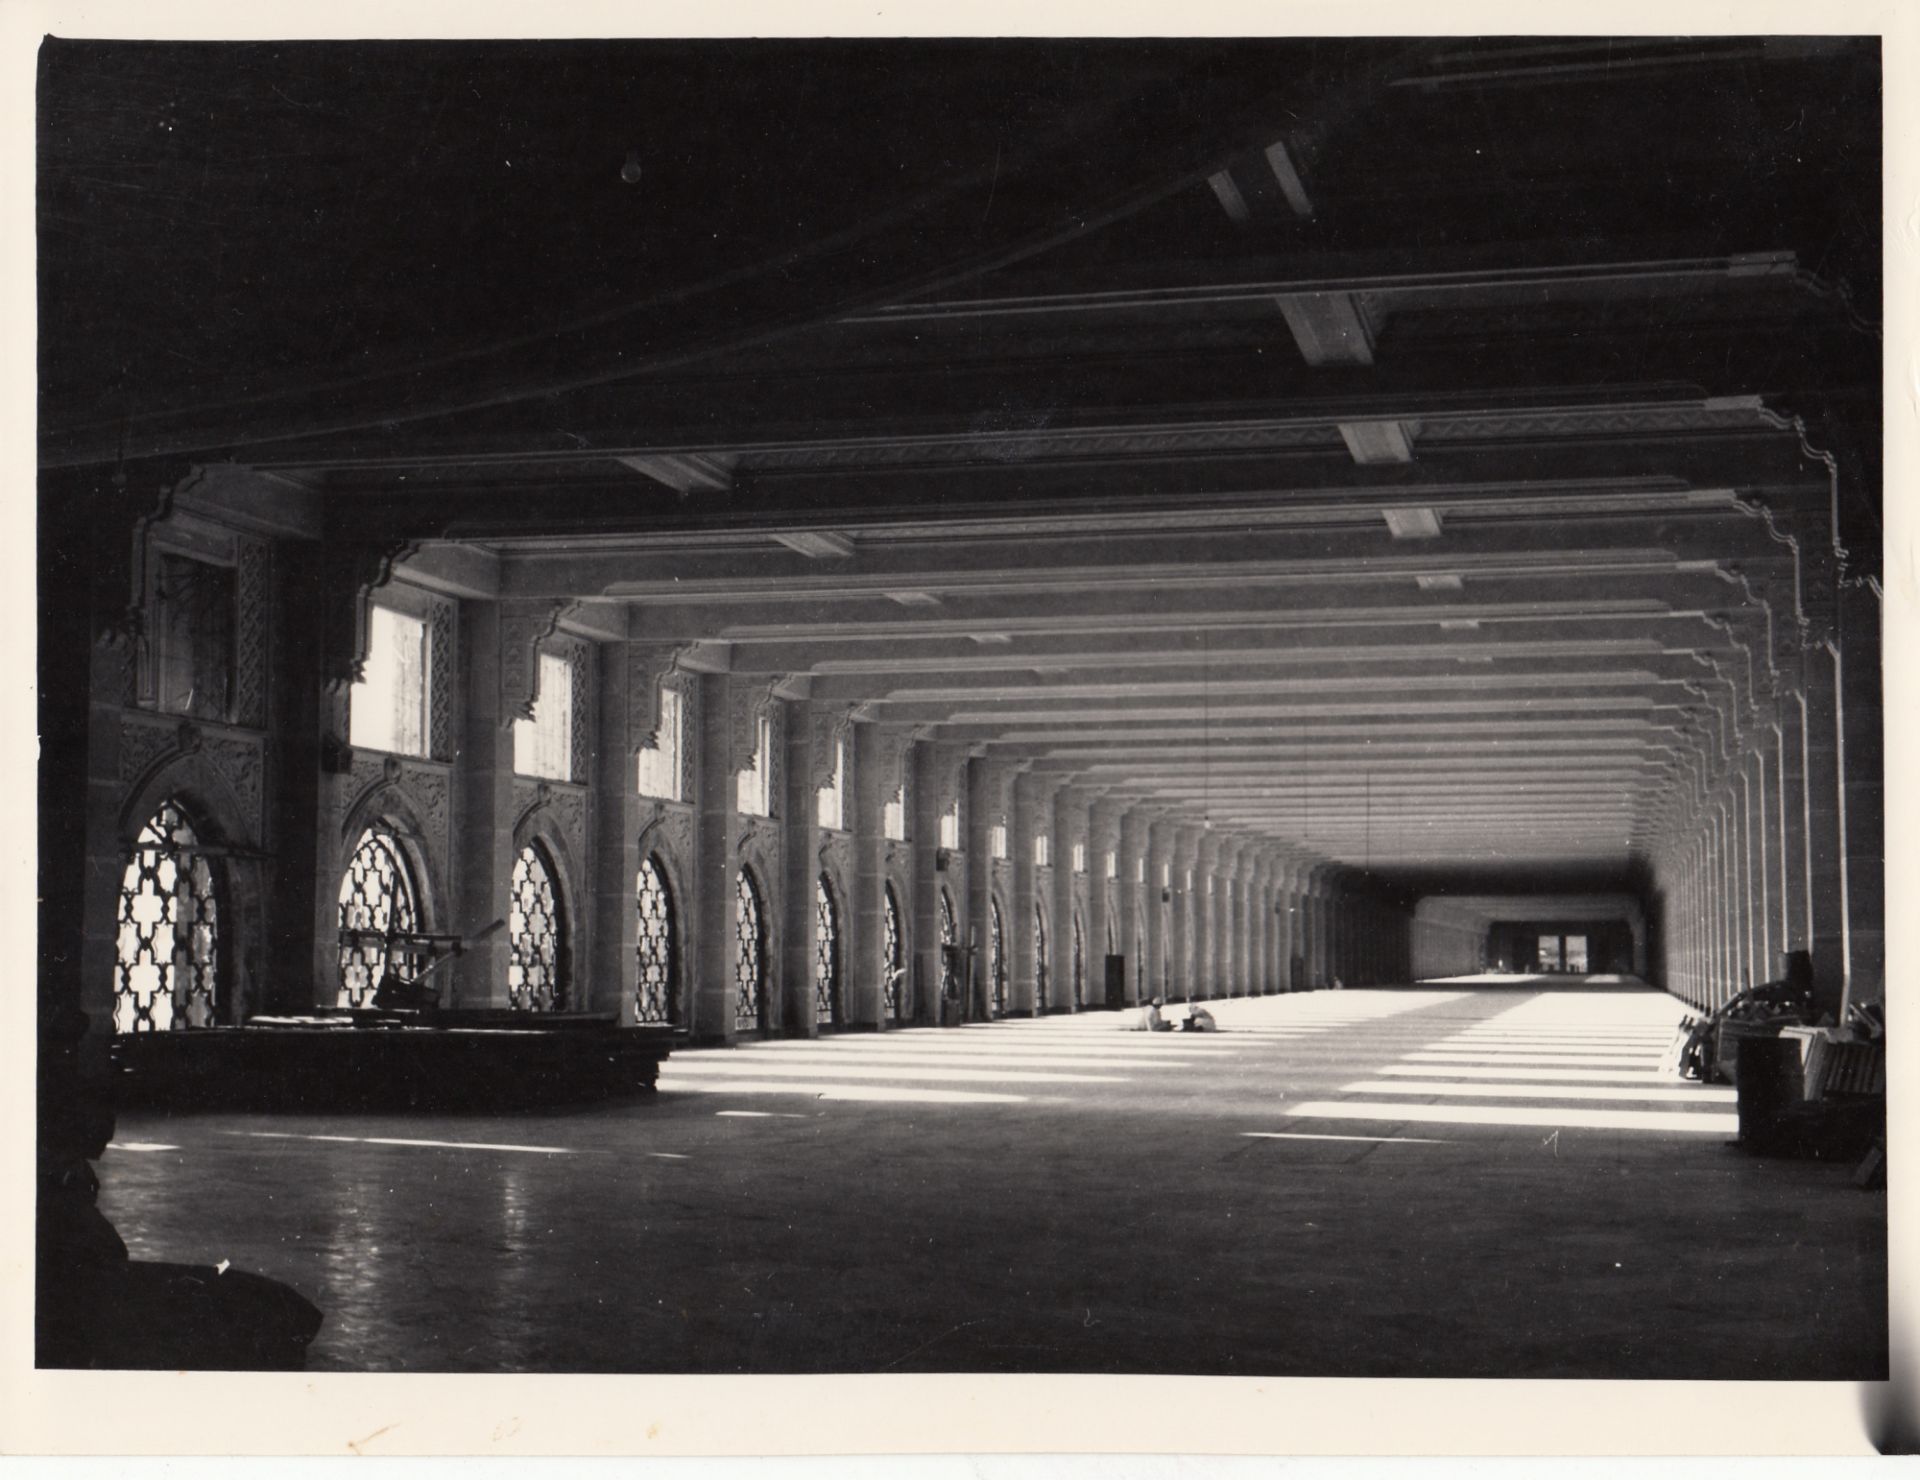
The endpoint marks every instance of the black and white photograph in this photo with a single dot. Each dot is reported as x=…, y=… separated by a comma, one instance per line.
x=1023, y=707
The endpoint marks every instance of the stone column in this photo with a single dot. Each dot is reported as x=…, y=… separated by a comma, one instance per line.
x=484, y=780
x=1206, y=909
x=1250, y=927
x=799, y=805
x=1024, y=828
x=1765, y=866
x=1862, y=764
x=1069, y=825
x=1322, y=907
x=1159, y=911
x=1790, y=780
x=932, y=772
x=715, y=899
x=982, y=800
x=1103, y=830
x=1826, y=827
x=1287, y=919
x=1133, y=855
x=629, y=703
x=1269, y=925
x=1181, y=842
x=876, y=763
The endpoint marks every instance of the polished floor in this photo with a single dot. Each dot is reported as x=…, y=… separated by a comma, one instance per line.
x=1463, y=1179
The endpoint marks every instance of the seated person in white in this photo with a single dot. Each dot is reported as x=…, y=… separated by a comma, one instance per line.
x=1199, y=1020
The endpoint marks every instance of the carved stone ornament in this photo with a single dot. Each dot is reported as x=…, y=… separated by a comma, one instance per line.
x=352, y=572
x=747, y=701
x=524, y=625
x=890, y=747
x=830, y=733
x=648, y=665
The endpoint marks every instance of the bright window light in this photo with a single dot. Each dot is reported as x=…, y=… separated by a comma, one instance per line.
x=893, y=820
x=660, y=762
x=950, y=826
x=754, y=789
x=387, y=709
x=543, y=745
x=832, y=797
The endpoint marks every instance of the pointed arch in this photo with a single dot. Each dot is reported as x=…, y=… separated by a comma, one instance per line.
x=659, y=991
x=540, y=953
x=828, y=1010
x=168, y=946
x=749, y=953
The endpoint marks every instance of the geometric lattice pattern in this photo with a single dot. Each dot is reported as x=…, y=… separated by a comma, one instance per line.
x=1039, y=961
x=167, y=970
x=949, y=936
x=749, y=956
x=377, y=900
x=826, y=954
x=536, y=935
x=996, y=956
x=658, y=946
x=893, y=961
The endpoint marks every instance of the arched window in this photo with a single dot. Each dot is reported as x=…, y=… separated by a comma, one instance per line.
x=826, y=954
x=378, y=900
x=537, y=934
x=949, y=936
x=1079, y=963
x=657, y=943
x=167, y=974
x=749, y=955
x=1039, y=960
x=996, y=956
x=895, y=964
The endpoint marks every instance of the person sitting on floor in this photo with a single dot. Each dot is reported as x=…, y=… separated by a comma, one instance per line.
x=1151, y=1021
x=1199, y=1020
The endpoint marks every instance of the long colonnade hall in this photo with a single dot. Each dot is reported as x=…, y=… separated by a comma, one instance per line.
x=650, y=651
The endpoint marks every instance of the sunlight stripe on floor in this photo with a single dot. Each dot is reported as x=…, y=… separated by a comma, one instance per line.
x=1697, y=1122
x=1312, y=1135
x=1521, y=1071
x=405, y=1141
x=823, y=1089
x=1503, y=1056
x=962, y=1059
x=703, y=1068
x=1651, y=1094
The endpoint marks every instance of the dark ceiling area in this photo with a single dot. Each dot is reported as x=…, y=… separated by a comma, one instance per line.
x=245, y=243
